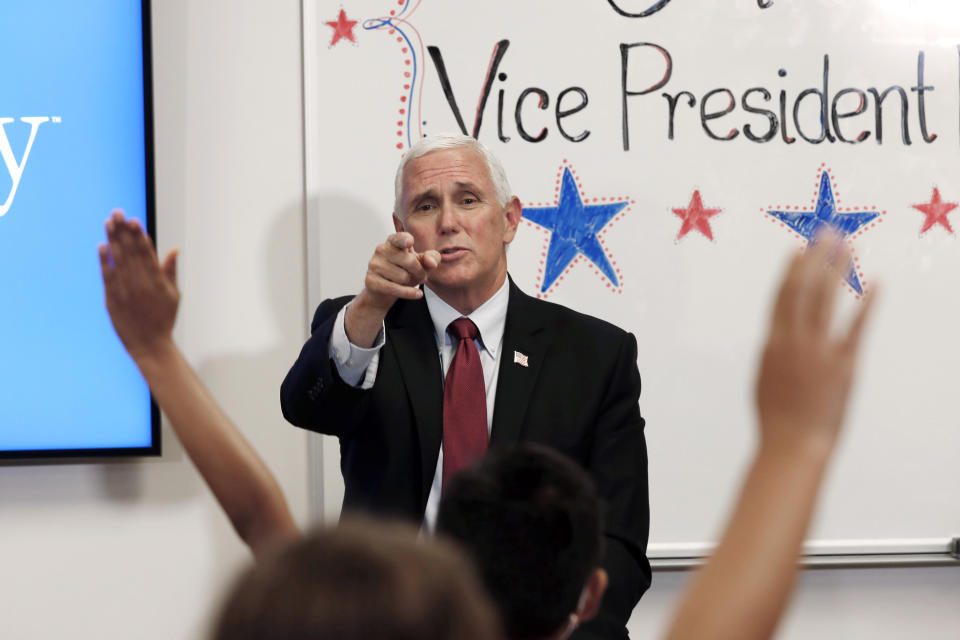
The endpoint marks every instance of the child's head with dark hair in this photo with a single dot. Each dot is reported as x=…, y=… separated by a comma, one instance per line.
x=531, y=519
x=364, y=580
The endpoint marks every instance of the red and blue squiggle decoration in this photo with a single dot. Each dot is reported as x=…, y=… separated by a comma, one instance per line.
x=399, y=23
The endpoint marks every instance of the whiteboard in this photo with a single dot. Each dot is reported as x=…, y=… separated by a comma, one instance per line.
x=712, y=186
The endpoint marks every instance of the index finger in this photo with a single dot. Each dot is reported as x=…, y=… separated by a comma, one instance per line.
x=105, y=268
x=429, y=259
x=784, y=307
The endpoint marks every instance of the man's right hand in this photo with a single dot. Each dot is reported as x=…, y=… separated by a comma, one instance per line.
x=395, y=271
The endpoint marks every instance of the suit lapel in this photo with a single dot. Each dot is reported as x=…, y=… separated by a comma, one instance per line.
x=416, y=348
x=524, y=334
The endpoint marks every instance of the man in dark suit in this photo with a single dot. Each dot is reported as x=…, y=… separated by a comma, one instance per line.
x=440, y=343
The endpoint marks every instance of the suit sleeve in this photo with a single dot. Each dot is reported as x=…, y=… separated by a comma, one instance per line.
x=619, y=466
x=313, y=395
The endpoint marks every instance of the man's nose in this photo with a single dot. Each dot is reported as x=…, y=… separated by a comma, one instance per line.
x=447, y=219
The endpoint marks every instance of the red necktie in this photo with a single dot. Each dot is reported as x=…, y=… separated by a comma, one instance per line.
x=464, y=402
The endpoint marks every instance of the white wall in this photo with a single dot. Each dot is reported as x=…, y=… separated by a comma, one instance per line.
x=139, y=549
x=840, y=604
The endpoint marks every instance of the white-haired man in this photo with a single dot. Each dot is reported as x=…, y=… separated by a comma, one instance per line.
x=440, y=355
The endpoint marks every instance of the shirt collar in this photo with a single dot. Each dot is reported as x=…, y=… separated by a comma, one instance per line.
x=490, y=317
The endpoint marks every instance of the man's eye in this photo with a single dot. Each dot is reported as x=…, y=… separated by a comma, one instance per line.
x=469, y=200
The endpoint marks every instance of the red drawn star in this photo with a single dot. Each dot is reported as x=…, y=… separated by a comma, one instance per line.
x=342, y=28
x=936, y=211
x=696, y=217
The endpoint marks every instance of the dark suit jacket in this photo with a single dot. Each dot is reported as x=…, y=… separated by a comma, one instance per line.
x=578, y=395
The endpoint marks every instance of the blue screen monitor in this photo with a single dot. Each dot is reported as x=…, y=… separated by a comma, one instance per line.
x=75, y=143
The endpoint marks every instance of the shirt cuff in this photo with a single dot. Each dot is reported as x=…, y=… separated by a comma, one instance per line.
x=354, y=364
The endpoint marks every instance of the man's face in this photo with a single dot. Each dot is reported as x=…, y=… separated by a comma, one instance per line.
x=449, y=203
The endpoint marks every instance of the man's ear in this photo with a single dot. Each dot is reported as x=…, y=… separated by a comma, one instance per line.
x=592, y=595
x=397, y=223
x=514, y=212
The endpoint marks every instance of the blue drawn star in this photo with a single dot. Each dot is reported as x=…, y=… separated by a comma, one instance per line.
x=809, y=223
x=574, y=227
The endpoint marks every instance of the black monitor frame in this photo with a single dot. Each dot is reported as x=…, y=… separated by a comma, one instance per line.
x=154, y=449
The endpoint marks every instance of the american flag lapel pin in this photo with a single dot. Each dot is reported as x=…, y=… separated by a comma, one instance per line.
x=521, y=359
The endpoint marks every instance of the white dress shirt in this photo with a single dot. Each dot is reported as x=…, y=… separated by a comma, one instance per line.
x=358, y=366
